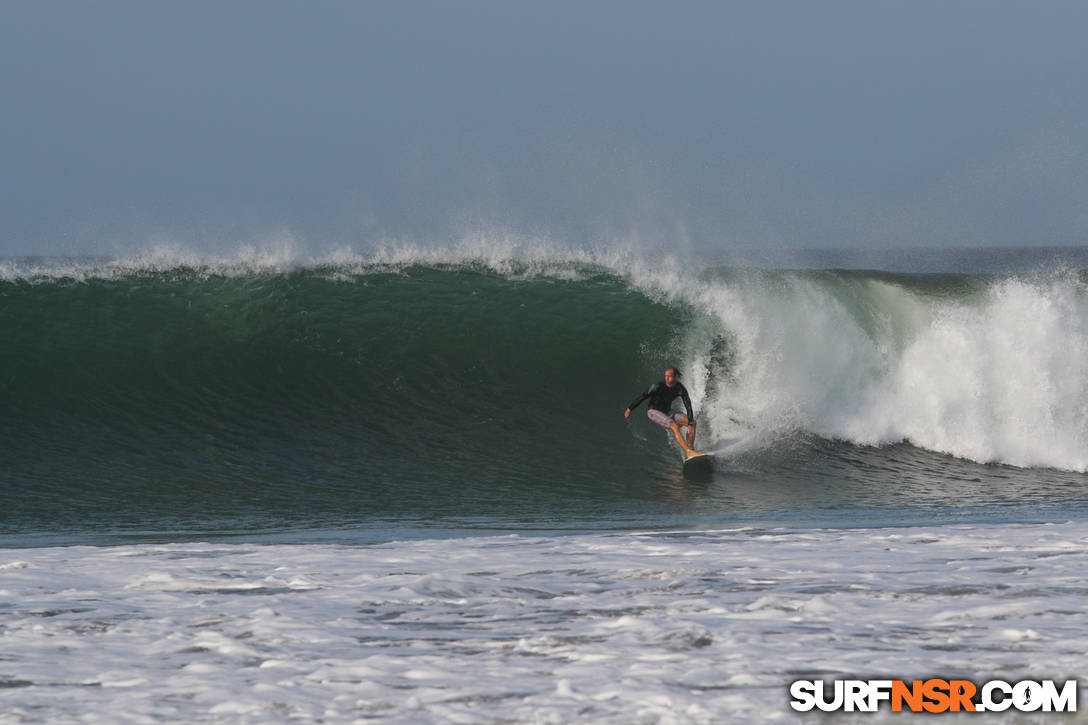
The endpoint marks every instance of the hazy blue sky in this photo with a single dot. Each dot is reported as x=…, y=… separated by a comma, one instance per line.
x=795, y=124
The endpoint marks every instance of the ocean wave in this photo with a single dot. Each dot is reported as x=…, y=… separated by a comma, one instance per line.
x=402, y=369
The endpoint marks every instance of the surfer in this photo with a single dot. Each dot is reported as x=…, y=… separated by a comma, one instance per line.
x=661, y=395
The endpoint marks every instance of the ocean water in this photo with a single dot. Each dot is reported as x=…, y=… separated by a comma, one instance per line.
x=398, y=484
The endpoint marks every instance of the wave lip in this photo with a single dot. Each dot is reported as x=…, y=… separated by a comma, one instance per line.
x=509, y=256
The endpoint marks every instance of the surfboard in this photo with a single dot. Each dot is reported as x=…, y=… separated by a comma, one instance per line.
x=700, y=463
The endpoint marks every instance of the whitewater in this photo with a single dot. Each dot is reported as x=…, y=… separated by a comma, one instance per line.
x=697, y=626
x=262, y=486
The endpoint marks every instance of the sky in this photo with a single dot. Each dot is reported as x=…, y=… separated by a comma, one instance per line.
x=862, y=124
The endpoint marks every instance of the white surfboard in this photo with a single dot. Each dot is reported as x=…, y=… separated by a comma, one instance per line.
x=699, y=462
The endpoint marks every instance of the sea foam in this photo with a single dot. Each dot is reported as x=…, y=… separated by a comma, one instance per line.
x=682, y=626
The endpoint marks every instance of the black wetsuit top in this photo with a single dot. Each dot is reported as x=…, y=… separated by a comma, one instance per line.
x=661, y=397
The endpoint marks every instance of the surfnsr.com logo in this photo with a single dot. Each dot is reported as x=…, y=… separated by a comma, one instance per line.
x=933, y=695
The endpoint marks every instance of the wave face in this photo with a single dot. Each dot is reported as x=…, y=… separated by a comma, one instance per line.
x=174, y=394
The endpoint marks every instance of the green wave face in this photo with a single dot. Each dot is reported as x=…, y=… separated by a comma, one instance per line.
x=403, y=391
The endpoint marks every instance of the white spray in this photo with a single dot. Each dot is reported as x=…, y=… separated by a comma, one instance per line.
x=995, y=377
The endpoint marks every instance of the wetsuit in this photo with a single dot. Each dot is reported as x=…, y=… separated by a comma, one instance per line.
x=661, y=397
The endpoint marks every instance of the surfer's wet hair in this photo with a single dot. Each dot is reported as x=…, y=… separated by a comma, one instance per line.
x=675, y=370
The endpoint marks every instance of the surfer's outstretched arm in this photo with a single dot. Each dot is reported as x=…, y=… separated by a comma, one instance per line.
x=638, y=401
